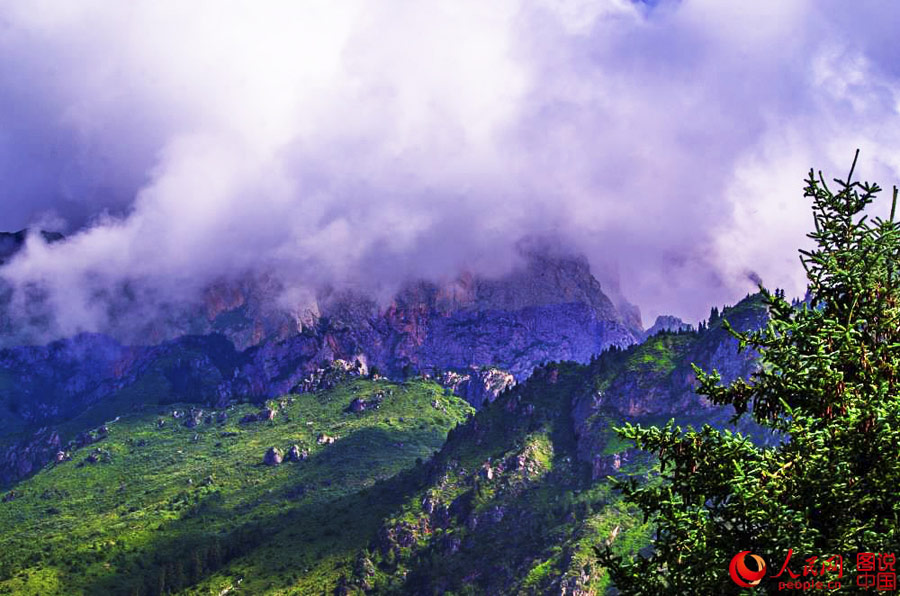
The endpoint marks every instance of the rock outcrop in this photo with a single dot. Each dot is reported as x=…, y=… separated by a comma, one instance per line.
x=273, y=456
x=28, y=455
x=666, y=323
x=297, y=454
x=478, y=386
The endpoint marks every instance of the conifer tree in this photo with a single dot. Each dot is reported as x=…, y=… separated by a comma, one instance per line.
x=828, y=386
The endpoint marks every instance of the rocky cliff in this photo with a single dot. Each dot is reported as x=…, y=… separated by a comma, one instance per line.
x=549, y=307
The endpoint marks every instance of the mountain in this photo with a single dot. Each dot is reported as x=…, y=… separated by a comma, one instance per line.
x=455, y=439
x=517, y=498
x=150, y=498
x=551, y=308
x=665, y=323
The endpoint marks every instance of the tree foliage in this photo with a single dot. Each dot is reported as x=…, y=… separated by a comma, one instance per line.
x=827, y=384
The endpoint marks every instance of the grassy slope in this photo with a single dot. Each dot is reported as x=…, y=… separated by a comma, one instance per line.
x=170, y=510
x=135, y=524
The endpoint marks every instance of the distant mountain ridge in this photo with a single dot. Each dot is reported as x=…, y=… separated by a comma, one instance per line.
x=240, y=345
x=423, y=318
x=551, y=309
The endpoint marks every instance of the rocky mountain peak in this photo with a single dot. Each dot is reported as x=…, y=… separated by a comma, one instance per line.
x=666, y=323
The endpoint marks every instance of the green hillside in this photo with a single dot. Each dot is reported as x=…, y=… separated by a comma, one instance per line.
x=166, y=507
x=155, y=507
x=507, y=508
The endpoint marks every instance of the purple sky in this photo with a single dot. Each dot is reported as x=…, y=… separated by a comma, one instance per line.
x=366, y=143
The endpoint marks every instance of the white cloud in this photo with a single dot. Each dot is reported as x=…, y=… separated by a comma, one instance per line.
x=335, y=142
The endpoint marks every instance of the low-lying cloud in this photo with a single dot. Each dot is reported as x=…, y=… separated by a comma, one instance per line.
x=332, y=143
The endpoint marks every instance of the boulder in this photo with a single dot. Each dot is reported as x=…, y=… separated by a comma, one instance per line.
x=297, y=454
x=428, y=505
x=273, y=456
x=193, y=418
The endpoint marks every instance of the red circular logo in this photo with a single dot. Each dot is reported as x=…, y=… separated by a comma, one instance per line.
x=742, y=575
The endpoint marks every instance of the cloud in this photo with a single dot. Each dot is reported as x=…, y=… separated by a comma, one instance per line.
x=334, y=143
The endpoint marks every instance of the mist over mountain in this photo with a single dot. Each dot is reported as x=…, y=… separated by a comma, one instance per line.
x=358, y=147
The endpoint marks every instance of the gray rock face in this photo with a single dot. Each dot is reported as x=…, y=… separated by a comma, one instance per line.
x=666, y=323
x=550, y=309
x=478, y=387
x=28, y=455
